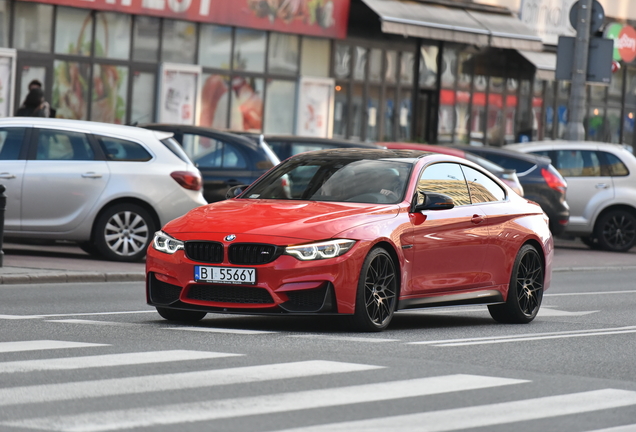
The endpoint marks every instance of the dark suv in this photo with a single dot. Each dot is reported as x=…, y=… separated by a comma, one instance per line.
x=541, y=182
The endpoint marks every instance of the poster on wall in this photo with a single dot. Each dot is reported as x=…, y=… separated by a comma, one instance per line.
x=7, y=81
x=179, y=93
x=315, y=107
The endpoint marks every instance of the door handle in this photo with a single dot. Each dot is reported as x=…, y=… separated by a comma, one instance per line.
x=91, y=175
x=7, y=176
x=602, y=186
x=476, y=219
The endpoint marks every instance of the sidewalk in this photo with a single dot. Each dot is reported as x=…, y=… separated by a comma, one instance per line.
x=61, y=263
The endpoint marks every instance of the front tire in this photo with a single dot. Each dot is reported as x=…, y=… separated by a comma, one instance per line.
x=616, y=231
x=123, y=232
x=377, y=292
x=180, y=315
x=525, y=291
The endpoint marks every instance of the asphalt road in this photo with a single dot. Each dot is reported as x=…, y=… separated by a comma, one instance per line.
x=93, y=357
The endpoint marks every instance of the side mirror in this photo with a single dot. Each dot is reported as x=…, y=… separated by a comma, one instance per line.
x=432, y=201
x=235, y=191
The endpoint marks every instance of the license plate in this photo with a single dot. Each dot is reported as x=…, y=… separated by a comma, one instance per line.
x=225, y=275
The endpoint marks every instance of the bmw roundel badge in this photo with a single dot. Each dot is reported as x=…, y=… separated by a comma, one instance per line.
x=230, y=237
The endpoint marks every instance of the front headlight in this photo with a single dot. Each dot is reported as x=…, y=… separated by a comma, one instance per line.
x=164, y=243
x=322, y=250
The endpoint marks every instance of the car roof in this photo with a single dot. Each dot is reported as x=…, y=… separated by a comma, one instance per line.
x=409, y=156
x=564, y=144
x=304, y=139
x=200, y=129
x=424, y=147
x=536, y=159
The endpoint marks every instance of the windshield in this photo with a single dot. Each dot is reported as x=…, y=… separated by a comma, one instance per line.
x=331, y=179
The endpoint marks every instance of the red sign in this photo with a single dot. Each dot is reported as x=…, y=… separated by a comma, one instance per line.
x=627, y=44
x=326, y=18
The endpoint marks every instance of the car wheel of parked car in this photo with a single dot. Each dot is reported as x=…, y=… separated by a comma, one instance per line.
x=377, y=292
x=180, y=315
x=616, y=231
x=123, y=232
x=525, y=291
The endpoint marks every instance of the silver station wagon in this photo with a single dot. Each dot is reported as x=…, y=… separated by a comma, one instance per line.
x=107, y=187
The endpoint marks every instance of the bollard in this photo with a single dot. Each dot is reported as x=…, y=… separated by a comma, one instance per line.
x=3, y=204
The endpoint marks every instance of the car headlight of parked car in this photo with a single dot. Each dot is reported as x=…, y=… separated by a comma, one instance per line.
x=165, y=243
x=321, y=250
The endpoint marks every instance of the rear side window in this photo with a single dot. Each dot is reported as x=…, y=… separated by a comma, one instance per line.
x=508, y=162
x=63, y=145
x=482, y=188
x=174, y=146
x=121, y=150
x=578, y=163
x=612, y=165
x=11, y=143
x=447, y=179
x=208, y=152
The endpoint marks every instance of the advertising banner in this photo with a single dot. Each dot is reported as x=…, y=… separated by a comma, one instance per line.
x=326, y=18
x=179, y=94
x=315, y=107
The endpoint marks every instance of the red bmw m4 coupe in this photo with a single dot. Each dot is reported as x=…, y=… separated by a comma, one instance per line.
x=357, y=232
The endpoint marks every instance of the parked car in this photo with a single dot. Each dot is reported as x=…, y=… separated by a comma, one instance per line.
x=368, y=233
x=507, y=176
x=224, y=159
x=601, y=190
x=104, y=186
x=541, y=182
x=288, y=145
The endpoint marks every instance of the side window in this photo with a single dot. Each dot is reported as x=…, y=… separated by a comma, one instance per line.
x=121, y=150
x=63, y=145
x=447, y=179
x=232, y=157
x=612, y=166
x=205, y=152
x=578, y=163
x=11, y=143
x=507, y=162
x=481, y=187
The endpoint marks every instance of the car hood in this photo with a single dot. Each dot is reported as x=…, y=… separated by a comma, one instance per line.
x=299, y=220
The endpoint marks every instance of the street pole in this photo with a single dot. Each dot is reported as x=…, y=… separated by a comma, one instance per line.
x=574, y=130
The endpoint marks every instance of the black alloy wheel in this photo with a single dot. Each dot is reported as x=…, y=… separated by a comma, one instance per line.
x=616, y=231
x=377, y=292
x=180, y=314
x=525, y=291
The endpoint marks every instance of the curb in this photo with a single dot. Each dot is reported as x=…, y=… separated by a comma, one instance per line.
x=70, y=277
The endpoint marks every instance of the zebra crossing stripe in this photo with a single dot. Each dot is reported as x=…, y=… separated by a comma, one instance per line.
x=488, y=415
x=37, y=345
x=267, y=404
x=108, y=360
x=175, y=381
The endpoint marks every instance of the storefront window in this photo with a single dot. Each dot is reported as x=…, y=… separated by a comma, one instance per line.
x=595, y=123
x=247, y=104
x=449, y=67
x=340, y=111
x=215, y=96
x=357, y=109
x=391, y=71
x=342, y=61
x=628, y=125
x=462, y=111
x=112, y=35
x=537, y=107
x=478, y=115
x=178, y=41
x=215, y=46
x=406, y=69
x=360, y=63
x=496, y=123
x=549, y=109
x=389, y=115
x=563, y=93
x=375, y=66
x=315, y=57
x=630, y=90
x=73, y=31
x=143, y=104
x=249, y=50
x=281, y=96
x=110, y=85
x=70, y=89
x=373, y=111
x=283, y=54
x=597, y=94
x=524, y=116
x=428, y=66
x=405, y=116
x=464, y=73
x=32, y=26
x=613, y=132
x=615, y=90
x=146, y=39
x=5, y=12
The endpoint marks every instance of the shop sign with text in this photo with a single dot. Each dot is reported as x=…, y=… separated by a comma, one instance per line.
x=326, y=18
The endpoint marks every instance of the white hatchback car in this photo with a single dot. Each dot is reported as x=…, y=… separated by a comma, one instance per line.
x=601, y=190
x=107, y=187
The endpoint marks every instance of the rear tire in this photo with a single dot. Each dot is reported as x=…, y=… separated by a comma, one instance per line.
x=616, y=231
x=123, y=232
x=525, y=291
x=180, y=315
x=376, y=297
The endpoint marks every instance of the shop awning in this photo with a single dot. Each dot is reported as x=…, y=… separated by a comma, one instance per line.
x=545, y=62
x=454, y=25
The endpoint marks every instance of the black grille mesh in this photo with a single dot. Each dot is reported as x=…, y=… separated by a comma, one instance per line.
x=306, y=300
x=203, y=251
x=253, y=253
x=229, y=294
x=162, y=292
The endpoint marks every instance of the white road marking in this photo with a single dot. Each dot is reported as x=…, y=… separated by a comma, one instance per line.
x=176, y=381
x=267, y=404
x=529, y=336
x=220, y=330
x=625, y=428
x=16, y=317
x=589, y=293
x=109, y=360
x=487, y=415
x=94, y=322
x=344, y=338
x=550, y=312
x=38, y=345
